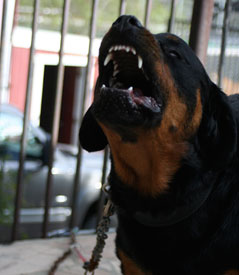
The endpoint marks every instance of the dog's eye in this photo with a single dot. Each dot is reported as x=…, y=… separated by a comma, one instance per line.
x=174, y=54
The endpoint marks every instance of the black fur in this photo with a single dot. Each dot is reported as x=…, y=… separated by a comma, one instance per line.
x=206, y=242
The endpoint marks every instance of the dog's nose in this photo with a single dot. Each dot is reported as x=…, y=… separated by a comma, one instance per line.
x=125, y=22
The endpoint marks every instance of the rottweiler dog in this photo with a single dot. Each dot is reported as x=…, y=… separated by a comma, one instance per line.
x=173, y=139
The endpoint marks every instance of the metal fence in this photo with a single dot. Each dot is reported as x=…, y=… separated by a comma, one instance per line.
x=201, y=13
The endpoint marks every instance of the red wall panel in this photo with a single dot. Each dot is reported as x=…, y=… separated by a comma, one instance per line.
x=18, y=81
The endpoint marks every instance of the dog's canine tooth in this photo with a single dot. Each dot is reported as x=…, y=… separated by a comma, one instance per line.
x=140, y=62
x=103, y=86
x=130, y=89
x=107, y=59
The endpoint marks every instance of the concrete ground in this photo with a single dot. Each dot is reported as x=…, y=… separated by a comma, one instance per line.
x=36, y=257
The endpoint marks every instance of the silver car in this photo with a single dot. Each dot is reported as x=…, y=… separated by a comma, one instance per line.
x=35, y=174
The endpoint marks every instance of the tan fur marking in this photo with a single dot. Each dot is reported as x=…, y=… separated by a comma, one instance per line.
x=149, y=164
x=232, y=272
x=129, y=267
x=172, y=37
x=197, y=113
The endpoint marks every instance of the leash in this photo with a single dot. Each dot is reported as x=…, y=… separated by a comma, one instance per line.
x=102, y=229
x=72, y=249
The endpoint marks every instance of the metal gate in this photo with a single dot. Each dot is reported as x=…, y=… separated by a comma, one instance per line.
x=193, y=20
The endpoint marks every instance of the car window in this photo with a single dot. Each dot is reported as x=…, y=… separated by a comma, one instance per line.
x=10, y=137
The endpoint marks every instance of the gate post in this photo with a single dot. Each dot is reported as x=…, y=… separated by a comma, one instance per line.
x=201, y=27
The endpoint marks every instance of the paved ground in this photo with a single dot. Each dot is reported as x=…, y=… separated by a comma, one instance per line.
x=35, y=257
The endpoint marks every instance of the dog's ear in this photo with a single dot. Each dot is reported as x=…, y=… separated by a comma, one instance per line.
x=91, y=136
x=218, y=130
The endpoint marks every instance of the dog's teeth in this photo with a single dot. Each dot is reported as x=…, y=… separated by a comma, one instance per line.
x=130, y=89
x=107, y=59
x=111, y=49
x=115, y=66
x=103, y=86
x=133, y=51
x=140, y=62
x=115, y=73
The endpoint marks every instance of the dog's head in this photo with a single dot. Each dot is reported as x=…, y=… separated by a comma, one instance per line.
x=154, y=87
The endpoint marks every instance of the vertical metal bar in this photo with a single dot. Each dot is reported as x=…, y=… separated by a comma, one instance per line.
x=172, y=16
x=103, y=180
x=148, y=9
x=106, y=151
x=15, y=17
x=76, y=187
x=122, y=7
x=25, y=124
x=1, y=16
x=56, y=116
x=200, y=27
x=6, y=48
x=2, y=43
x=224, y=40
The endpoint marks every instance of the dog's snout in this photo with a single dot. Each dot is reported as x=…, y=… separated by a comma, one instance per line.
x=125, y=22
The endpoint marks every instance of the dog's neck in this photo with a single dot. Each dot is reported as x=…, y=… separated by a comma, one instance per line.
x=148, y=164
x=185, y=197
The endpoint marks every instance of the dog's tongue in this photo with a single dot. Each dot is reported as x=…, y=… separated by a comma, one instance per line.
x=148, y=102
x=137, y=92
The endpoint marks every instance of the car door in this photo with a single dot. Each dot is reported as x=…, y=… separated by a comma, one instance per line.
x=10, y=135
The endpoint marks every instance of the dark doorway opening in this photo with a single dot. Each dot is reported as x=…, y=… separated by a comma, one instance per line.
x=71, y=102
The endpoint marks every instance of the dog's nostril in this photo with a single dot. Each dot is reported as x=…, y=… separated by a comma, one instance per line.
x=126, y=21
x=117, y=21
x=134, y=21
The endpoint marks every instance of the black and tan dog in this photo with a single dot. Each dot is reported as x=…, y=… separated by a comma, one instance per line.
x=173, y=140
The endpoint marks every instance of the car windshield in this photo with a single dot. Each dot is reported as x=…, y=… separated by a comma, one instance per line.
x=11, y=126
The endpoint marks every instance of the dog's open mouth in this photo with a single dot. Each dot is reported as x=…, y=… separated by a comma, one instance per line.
x=124, y=75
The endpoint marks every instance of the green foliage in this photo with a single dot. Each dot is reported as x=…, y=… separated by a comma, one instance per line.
x=80, y=13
